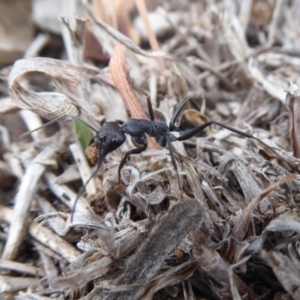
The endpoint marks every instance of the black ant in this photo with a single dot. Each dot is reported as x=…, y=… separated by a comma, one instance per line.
x=112, y=135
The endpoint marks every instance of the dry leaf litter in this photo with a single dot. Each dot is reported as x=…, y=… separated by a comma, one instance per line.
x=229, y=229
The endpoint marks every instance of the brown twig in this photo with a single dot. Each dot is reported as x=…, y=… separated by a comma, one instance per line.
x=120, y=78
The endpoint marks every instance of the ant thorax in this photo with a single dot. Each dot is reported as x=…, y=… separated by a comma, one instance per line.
x=137, y=127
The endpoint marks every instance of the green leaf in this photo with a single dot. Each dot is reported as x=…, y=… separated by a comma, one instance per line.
x=83, y=132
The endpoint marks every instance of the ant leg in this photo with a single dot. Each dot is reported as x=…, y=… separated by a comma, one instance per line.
x=150, y=109
x=82, y=189
x=149, y=104
x=192, y=132
x=173, y=159
x=127, y=154
x=178, y=110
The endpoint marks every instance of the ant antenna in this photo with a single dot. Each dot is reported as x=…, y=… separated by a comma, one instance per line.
x=65, y=117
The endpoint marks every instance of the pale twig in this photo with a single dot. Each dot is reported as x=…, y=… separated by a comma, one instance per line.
x=125, y=40
x=240, y=228
x=83, y=168
x=44, y=236
x=245, y=13
x=272, y=88
x=55, y=220
x=32, y=121
x=5, y=138
x=9, y=284
x=21, y=268
x=65, y=194
x=274, y=23
x=201, y=64
x=230, y=64
x=24, y=197
x=50, y=239
x=37, y=45
x=7, y=106
x=140, y=4
x=15, y=164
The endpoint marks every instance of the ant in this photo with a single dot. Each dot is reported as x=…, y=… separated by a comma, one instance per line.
x=112, y=135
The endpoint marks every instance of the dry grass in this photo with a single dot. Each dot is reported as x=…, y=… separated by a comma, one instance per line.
x=229, y=229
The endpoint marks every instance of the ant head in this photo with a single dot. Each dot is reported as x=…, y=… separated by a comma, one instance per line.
x=108, y=138
x=191, y=119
